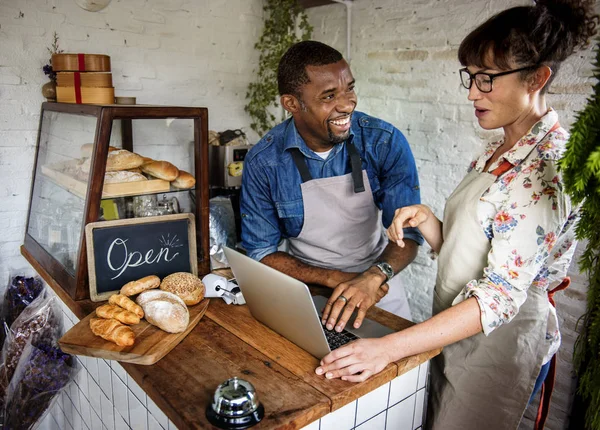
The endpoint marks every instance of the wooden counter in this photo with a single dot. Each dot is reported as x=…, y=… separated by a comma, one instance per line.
x=229, y=342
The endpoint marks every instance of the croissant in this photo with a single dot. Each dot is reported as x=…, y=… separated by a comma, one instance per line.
x=118, y=313
x=126, y=303
x=112, y=330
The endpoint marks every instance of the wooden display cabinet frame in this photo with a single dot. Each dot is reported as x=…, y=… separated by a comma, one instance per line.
x=77, y=286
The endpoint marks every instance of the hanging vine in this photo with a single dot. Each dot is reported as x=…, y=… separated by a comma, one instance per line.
x=581, y=173
x=279, y=33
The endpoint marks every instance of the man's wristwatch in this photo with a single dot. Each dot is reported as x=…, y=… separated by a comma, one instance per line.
x=386, y=269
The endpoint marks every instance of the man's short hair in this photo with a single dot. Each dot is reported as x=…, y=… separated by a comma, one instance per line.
x=291, y=73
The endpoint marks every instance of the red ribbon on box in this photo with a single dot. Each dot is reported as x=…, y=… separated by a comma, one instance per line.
x=81, y=61
x=77, y=85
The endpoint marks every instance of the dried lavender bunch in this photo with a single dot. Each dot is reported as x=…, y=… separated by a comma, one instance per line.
x=42, y=372
x=18, y=295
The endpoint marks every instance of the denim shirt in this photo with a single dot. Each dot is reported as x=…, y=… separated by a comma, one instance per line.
x=271, y=198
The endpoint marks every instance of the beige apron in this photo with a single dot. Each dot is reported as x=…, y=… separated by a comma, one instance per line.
x=342, y=227
x=483, y=382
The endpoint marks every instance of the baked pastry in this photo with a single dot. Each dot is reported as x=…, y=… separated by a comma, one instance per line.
x=126, y=303
x=136, y=170
x=147, y=160
x=122, y=159
x=164, y=310
x=123, y=176
x=183, y=180
x=87, y=149
x=112, y=330
x=135, y=287
x=161, y=170
x=185, y=285
x=118, y=313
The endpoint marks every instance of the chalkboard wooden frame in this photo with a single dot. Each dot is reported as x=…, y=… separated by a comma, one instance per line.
x=96, y=296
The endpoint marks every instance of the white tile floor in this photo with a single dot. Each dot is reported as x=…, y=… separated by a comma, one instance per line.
x=104, y=397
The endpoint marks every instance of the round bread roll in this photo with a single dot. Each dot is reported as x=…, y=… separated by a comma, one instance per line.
x=185, y=285
x=135, y=287
x=183, y=180
x=161, y=170
x=123, y=176
x=164, y=310
x=122, y=159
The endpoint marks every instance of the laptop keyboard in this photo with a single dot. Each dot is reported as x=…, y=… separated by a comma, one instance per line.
x=335, y=339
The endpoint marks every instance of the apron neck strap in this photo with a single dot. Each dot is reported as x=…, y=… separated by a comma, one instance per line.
x=355, y=162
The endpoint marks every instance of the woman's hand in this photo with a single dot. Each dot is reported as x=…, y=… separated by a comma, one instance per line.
x=356, y=361
x=408, y=216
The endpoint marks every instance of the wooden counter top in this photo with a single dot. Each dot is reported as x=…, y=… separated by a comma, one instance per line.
x=229, y=342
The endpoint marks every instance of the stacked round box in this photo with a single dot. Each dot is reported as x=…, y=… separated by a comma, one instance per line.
x=83, y=78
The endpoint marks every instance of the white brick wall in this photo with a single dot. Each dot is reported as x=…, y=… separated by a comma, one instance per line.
x=189, y=53
x=404, y=59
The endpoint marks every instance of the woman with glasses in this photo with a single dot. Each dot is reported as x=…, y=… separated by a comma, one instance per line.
x=507, y=235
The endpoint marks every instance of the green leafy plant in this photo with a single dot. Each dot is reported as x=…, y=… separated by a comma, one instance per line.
x=581, y=174
x=284, y=19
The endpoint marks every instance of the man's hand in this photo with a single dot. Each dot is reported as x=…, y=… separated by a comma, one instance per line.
x=356, y=361
x=360, y=293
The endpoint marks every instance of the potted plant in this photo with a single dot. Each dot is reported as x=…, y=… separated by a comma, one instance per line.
x=580, y=166
x=284, y=20
x=49, y=88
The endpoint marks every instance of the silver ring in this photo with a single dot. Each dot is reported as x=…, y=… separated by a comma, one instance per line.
x=342, y=298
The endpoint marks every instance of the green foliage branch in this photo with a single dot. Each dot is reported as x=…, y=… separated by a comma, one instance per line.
x=581, y=174
x=279, y=33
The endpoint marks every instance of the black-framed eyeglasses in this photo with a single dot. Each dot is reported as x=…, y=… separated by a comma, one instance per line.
x=483, y=80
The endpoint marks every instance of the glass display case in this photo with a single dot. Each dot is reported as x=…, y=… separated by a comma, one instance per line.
x=73, y=185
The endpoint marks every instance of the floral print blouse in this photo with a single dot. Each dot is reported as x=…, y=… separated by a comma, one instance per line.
x=530, y=223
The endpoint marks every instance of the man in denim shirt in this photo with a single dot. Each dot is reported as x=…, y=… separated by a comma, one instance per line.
x=329, y=180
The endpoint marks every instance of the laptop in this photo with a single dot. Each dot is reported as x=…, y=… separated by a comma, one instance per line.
x=285, y=305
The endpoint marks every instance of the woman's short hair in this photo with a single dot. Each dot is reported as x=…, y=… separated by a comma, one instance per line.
x=544, y=34
x=291, y=73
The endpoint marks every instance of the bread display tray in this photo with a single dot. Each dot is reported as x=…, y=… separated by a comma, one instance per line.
x=151, y=343
x=79, y=188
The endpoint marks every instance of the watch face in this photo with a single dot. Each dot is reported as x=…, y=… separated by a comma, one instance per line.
x=386, y=269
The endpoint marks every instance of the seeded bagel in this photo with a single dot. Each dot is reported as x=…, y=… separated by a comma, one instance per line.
x=184, y=285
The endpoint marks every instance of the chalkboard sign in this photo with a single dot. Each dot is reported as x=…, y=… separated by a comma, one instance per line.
x=125, y=250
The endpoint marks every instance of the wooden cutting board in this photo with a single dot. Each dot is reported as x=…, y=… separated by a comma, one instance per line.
x=151, y=343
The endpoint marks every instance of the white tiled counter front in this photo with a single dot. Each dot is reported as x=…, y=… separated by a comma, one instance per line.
x=397, y=405
x=102, y=397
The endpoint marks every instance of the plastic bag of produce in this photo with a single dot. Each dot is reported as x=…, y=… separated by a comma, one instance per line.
x=40, y=323
x=20, y=292
x=41, y=373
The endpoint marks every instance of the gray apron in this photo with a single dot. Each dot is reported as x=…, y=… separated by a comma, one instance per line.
x=342, y=227
x=483, y=382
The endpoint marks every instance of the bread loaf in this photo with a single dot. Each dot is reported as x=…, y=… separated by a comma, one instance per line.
x=113, y=331
x=122, y=160
x=164, y=310
x=126, y=303
x=161, y=170
x=185, y=285
x=118, y=313
x=123, y=176
x=135, y=287
x=87, y=149
x=148, y=296
x=184, y=180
